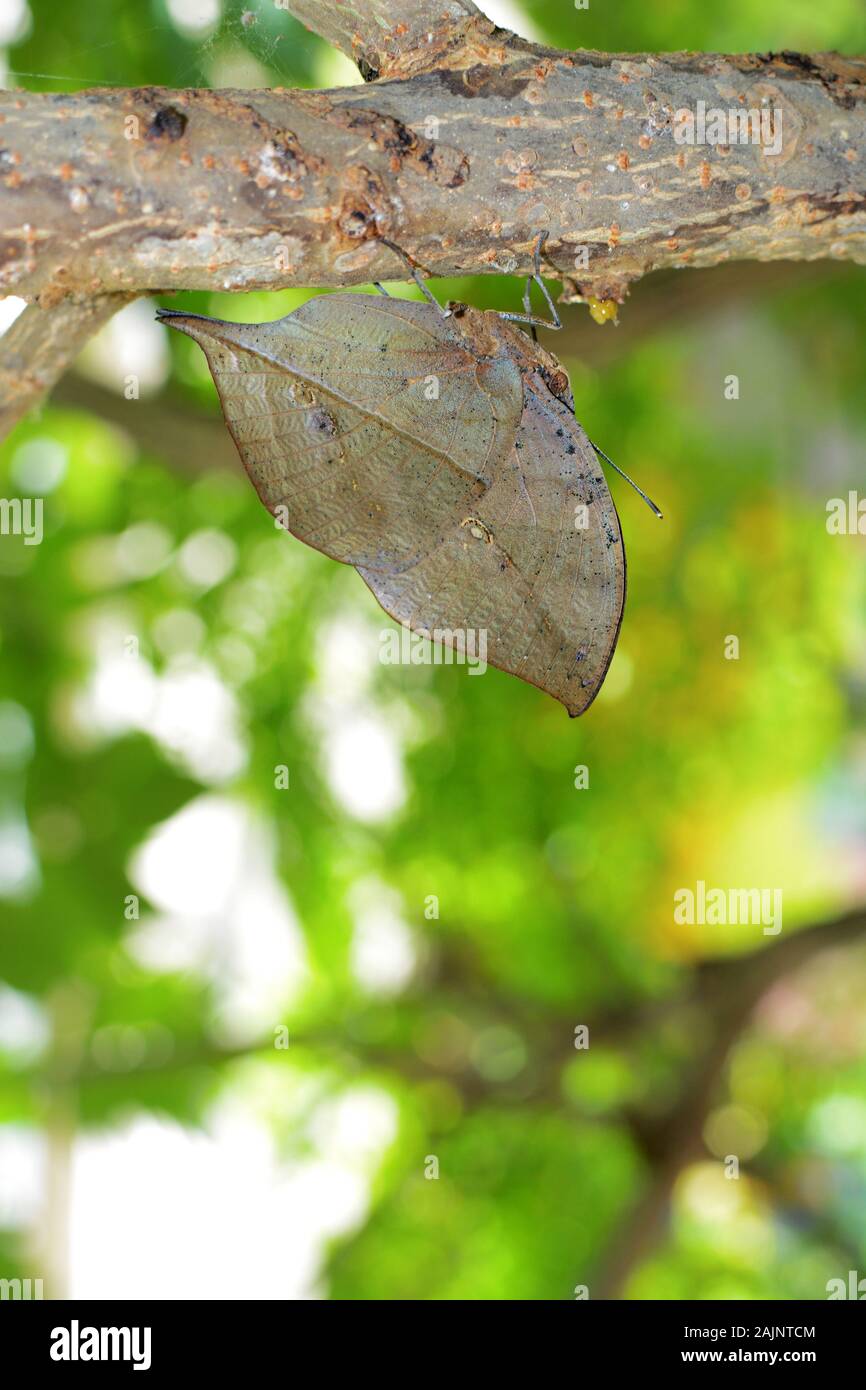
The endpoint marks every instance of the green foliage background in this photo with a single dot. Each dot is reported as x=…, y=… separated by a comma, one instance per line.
x=556, y=904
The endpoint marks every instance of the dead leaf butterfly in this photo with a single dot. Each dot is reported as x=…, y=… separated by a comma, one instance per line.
x=437, y=452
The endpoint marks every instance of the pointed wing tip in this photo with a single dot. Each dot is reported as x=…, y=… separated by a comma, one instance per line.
x=194, y=325
x=173, y=318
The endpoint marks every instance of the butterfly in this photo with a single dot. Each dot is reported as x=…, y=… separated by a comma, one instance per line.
x=437, y=452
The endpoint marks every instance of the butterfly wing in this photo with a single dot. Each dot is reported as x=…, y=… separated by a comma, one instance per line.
x=430, y=454
x=367, y=419
x=542, y=570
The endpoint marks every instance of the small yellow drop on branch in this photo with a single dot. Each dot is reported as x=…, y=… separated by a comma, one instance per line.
x=603, y=310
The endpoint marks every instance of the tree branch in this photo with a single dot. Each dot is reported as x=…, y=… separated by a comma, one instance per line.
x=469, y=143
x=178, y=432
x=727, y=993
x=146, y=190
x=426, y=35
x=40, y=344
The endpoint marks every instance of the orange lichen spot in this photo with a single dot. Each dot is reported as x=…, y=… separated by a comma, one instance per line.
x=208, y=161
x=779, y=194
x=672, y=243
x=13, y=180
x=242, y=166
x=525, y=180
x=185, y=158
x=401, y=29
x=603, y=310
x=587, y=99
x=514, y=120
x=624, y=77
x=706, y=174
x=66, y=172
x=613, y=236
x=681, y=159
x=567, y=62
x=619, y=113
x=644, y=141
x=622, y=160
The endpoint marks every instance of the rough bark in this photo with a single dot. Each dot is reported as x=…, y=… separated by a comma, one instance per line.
x=136, y=191
x=467, y=143
x=426, y=35
x=39, y=346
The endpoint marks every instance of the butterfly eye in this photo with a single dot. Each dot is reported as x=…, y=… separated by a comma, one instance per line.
x=557, y=383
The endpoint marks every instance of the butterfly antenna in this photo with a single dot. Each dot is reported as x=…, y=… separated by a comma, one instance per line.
x=622, y=473
x=554, y=321
x=416, y=276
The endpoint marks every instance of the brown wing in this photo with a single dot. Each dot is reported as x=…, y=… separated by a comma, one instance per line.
x=369, y=420
x=543, y=571
x=428, y=453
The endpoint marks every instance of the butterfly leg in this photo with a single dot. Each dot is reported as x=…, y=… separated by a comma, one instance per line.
x=527, y=305
x=381, y=289
x=528, y=317
x=416, y=276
